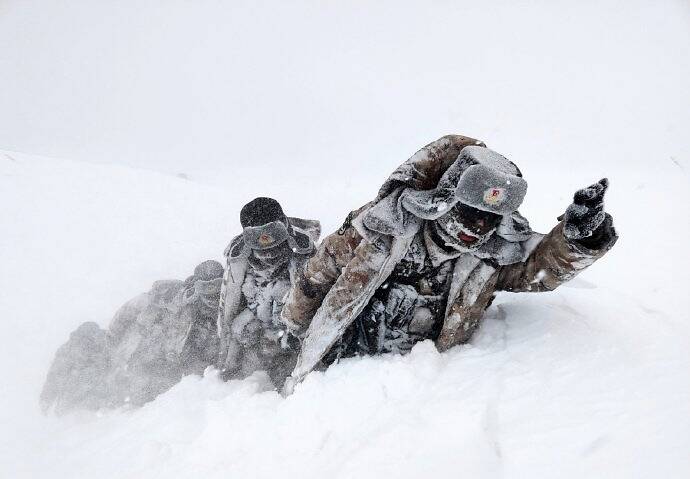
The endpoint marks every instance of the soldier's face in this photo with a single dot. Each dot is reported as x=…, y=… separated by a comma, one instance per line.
x=468, y=224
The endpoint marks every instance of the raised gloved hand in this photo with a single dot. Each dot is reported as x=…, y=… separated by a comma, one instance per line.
x=586, y=213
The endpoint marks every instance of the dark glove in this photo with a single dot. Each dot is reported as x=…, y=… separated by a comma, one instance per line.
x=586, y=213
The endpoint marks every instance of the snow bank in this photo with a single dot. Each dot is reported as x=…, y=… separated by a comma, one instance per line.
x=588, y=381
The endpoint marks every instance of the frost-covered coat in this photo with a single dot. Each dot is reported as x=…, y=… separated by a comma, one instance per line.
x=352, y=264
x=152, y=341
x=76, y=378
x=161, y=336
x=252, y=337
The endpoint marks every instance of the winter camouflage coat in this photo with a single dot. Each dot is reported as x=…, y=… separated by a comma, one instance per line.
x=348, y=277
x=251, y=335
x=152, y=342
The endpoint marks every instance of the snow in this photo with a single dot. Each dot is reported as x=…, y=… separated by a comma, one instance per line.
x=589, y=378
x=316, y=107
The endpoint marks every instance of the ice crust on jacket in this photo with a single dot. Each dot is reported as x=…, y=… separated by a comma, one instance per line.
x=352, y=264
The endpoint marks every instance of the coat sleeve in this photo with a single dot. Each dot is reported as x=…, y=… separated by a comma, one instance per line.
x=555, y=260
x=229, y=306
x=370, y=264
x=320, y=273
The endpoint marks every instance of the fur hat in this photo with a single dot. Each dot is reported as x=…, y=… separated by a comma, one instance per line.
x=449, y=170
x=261, y=211
x=492, y=183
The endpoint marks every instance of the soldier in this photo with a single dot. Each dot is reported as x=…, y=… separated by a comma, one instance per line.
x=76, y=378
x=424, y=259
x=262, y=262
x=153, y=341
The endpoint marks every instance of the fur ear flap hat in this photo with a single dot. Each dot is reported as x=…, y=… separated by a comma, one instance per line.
x=265, y=225
x=480, y=178
x=450, y=170
x=492, y=183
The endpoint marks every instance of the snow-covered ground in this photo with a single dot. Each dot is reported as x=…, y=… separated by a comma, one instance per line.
x=314, y=104
x=587, y=381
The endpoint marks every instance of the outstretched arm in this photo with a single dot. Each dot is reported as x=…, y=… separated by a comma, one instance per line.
x=584, y=235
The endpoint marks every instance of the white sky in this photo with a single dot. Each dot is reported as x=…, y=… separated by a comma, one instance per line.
x=348, y=89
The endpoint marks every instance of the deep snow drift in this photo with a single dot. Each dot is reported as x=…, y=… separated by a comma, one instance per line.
x=589, y=381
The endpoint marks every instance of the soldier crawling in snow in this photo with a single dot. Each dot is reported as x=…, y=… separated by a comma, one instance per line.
x=182, y=327
x=262, y=262
x=424, y=259
x=153, y=341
